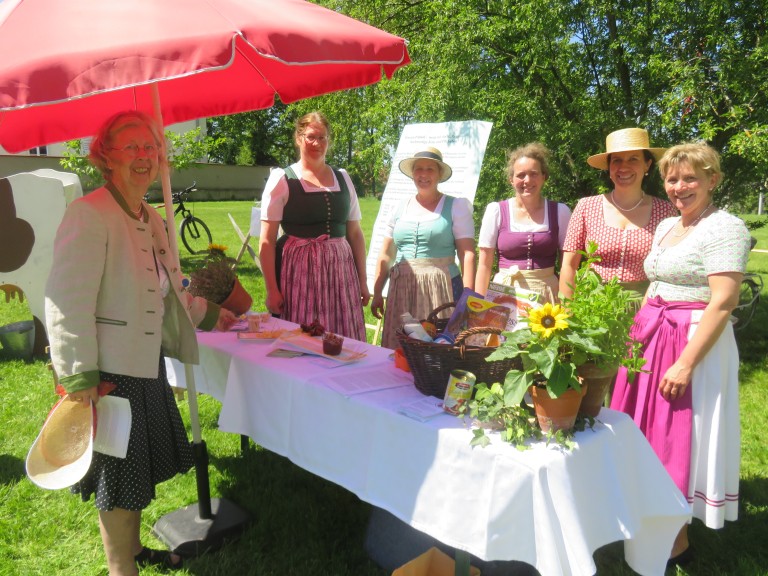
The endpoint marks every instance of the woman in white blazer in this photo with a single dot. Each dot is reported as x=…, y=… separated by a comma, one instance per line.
x=115, y=307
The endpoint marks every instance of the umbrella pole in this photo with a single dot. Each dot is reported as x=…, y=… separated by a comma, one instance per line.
x=191, y=530
x=199, y=449
x=195, y=530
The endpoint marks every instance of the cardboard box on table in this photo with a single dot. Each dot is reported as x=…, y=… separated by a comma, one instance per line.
x=433, y=562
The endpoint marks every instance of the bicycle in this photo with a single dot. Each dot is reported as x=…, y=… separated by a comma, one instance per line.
x=194, y=233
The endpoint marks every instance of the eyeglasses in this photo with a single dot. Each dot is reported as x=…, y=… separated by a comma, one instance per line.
x=133, y=149
x=312, y=139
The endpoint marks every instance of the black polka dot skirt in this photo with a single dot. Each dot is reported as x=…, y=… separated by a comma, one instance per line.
x=158, y=447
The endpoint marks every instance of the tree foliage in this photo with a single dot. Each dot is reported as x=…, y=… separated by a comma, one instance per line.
x=249, y=138
x=562, y=72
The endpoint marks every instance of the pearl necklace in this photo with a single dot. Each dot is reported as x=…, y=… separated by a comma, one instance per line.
x=687, y=229
x=613, y=201
x=138, y=212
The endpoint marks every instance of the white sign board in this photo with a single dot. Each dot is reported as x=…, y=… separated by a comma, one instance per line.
x=37, y=200
x=463, y=147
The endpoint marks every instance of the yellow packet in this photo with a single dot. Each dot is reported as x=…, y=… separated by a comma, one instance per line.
x=482, y=313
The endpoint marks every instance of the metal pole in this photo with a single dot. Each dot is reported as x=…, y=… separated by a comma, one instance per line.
x=198, y=446
x=165, y=181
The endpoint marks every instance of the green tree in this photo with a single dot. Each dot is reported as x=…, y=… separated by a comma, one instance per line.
x=567, y=73
x=258, y=137
x=564, y=73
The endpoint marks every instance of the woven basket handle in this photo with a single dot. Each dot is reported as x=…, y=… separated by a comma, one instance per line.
x=433, y=315
x=464, y=334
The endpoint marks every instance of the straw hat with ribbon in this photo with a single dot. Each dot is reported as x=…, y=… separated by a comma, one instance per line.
x=61, y=454
x=406, y=165
x=624, y=141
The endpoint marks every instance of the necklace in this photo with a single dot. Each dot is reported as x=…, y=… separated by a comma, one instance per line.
x=522, y=209
x=687, y=229
x=138, y=212
x=613, y=201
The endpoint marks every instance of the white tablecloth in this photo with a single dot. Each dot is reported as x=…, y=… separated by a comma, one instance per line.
x=544, y=506
x=211, y=374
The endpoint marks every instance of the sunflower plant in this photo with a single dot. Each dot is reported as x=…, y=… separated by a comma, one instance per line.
x=552, y=343
x=591, y=326
x=551, y=348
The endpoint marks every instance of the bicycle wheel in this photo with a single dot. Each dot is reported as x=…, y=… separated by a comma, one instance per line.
x=195, y=235
x=749, y=298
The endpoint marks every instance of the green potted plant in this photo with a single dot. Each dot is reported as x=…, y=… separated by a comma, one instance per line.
x=553, y=343
x=217, y=281
x=605, y=311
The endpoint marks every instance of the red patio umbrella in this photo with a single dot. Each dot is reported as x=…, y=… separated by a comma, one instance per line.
x=65, y=66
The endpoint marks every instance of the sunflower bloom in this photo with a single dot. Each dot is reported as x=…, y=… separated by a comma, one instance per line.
x=547, y=319
x=217, y=248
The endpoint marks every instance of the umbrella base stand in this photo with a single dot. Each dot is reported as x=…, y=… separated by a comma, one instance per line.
x=203, y=527
x=188, y=535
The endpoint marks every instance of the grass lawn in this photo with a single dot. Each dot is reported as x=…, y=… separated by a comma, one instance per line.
x=303, y=525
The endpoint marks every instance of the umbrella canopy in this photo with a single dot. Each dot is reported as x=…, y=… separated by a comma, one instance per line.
x=67, y=66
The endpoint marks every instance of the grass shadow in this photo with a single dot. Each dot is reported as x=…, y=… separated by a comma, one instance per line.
x=324, y=516
x=752, y=340
x=11, y=469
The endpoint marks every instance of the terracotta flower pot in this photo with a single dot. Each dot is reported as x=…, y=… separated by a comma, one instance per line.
x=556, y=413
x=599, y=382
x=238, y=301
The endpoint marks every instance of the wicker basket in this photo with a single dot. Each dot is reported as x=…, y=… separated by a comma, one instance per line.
x=431, y=363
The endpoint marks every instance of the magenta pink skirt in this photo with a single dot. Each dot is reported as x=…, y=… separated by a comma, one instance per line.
x=662, y=328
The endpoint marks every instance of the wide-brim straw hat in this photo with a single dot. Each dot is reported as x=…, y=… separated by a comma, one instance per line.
x=406, y=165
x=624, y=141
x=61, y=454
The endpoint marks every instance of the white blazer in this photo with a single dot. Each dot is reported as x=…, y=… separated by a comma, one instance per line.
x=104, y=310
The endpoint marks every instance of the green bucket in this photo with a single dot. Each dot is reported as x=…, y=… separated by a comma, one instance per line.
x=18, y=340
